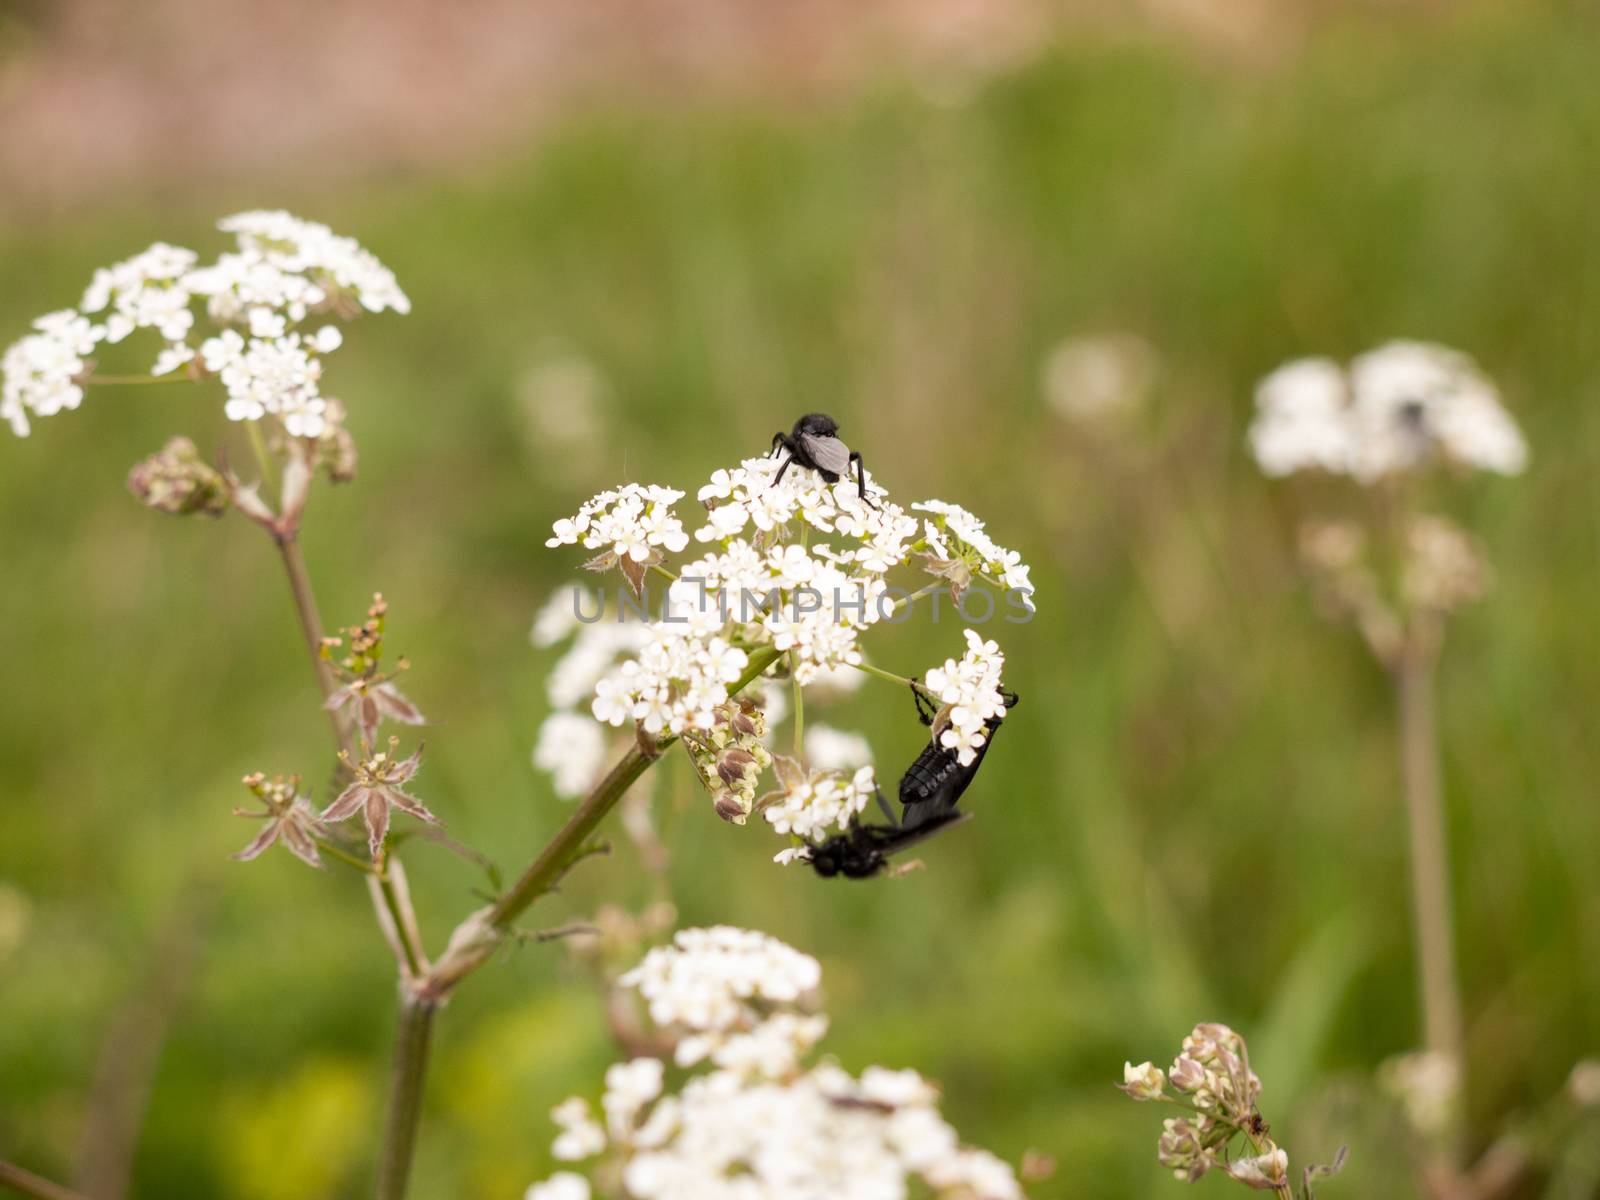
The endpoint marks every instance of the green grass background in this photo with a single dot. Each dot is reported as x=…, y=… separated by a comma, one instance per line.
x=1194, y=814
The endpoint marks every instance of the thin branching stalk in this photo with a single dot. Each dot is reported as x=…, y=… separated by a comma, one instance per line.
x=413, y=1035
x=553, y=859
x=26, y=1183
x=1430, y=867
x=305, y=607
x=418, y=1004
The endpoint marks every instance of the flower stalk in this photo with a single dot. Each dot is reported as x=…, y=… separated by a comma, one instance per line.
x=1438, y=988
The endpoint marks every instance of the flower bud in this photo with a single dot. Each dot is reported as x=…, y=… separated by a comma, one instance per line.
x=178, y=481
x=1142, y=1082
x=1187, y=1075
x=1182, y=1148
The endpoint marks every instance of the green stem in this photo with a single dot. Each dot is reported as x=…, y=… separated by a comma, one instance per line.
x=554, y=858
x=799, y=712
x=134, y=380
x=269, y=469
x=26, y=1183
x=1438, y=988
x=335, y=851
x=880, y=673
x=413, y=1033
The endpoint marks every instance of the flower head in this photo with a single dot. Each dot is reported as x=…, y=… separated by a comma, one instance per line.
x=753, y=1120
x=289, y=819
x=375, y=790
x=1395, y=409
x=970, y=691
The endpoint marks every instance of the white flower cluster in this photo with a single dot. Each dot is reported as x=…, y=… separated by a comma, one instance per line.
x=756, y=1124
x=1396, y=408
x=958, y=539
x=813, y=806
x=747, y=498
x=792, y=569
x=571, y=744
x=42, y=371
x=626, y=521
x=283, y=271
x=708, y=980
x=970, y=690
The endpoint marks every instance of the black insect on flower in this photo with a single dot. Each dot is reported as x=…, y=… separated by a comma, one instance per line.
x=929, y=792
x=862, y=850
x=814, y=444
x=936, y=780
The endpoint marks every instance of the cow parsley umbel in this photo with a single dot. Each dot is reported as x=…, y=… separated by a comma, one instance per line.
x=260, y=320
x=787, y=575
x=755, y=1117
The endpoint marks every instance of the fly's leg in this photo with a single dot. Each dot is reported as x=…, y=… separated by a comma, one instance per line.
x=861, y=477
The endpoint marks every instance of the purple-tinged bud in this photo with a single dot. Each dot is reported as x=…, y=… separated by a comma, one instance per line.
x=178, y=481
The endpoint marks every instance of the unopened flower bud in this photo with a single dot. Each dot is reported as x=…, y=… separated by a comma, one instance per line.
x=1182, y=1148
x=1142, y=1082
x=178, y=481
x=731, y=808
x=1187, y=1075
x=1263, y=1172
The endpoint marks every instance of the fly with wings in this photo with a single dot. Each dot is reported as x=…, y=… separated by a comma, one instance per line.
x=936, y=780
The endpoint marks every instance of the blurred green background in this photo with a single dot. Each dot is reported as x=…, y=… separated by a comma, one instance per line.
x=1195, y=812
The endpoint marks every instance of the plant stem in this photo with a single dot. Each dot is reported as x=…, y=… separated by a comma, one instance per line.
x=419, y=1002
x=799, y=713
x=553, y=859
x=1430, y=867
x=26, y=1183
x=135, y=380
x=413, y=1034
x=305, y=607
x=880, y=673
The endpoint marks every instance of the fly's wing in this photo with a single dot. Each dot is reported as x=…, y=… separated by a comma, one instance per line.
x=892, y=841
x=830, y=454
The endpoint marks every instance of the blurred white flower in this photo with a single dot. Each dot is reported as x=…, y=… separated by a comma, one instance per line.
x=754, y=1123
x=338, y=266
x=581, y=1135
x=41, y=372
x=283, y=271
x=571, y=748
x=1303, y=419
x=1583, y=1085
x=1412, y=400
x=829, y=749
x=1398, y=407
x=1428, y=1086
x=563, y=1185
x=1095, y=376
x=147, y=291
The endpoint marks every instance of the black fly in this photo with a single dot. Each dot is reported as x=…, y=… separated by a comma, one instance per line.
x=814, y=444
x=929, y=792
x=934, y=783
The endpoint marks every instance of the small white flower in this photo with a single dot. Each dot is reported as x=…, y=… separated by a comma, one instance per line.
x=581, y=1135
x=571, y=748
x=40, y=374
x=563, y=1185
x=1143, y=1082
x=1264, y=1172
x=829, y=749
